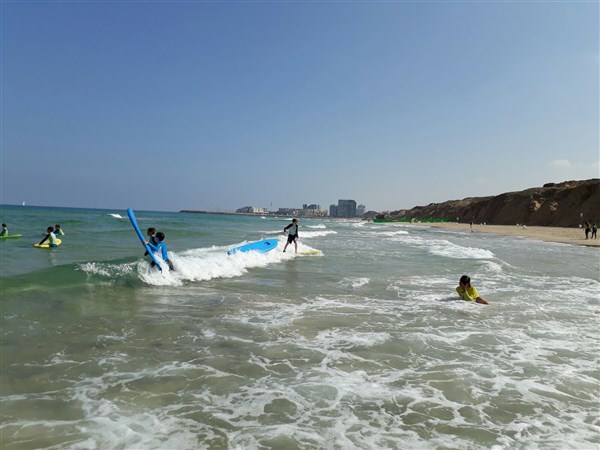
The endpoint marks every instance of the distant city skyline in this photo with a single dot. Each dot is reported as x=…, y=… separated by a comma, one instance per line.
x=216, y=105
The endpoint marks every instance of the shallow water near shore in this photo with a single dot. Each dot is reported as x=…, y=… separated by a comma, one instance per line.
x=362, y=345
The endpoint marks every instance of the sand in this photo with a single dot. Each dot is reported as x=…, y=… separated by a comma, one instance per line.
x=575, y=236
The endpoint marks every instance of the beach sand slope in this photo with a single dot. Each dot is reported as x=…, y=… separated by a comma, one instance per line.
x=575, y=236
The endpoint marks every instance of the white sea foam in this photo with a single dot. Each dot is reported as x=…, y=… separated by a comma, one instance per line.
x=369, y=350
x=353, y=282
x=106, y=269
x=200, y=264
x=116, y=216
x=441, y=247
x=315, y=234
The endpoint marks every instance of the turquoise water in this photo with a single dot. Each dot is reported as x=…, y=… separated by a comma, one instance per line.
x=362, y=345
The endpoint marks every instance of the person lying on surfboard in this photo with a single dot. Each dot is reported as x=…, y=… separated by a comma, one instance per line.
x=160, y=248
x=292, y=234
x=50, y=237
x=468, y=292
x=4, y=231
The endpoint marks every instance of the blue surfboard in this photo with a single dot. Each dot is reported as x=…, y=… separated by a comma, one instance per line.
x=263, y=246
x=141, y=236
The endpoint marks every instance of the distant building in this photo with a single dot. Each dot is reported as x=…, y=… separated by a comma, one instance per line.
x=312, y=210
x=287, y=212
x=360, y=210
x=346, y=208
x=333, y=210
x=251, y=210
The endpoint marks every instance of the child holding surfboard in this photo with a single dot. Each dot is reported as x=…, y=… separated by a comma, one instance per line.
x=50, y=237
x=161, y=248
x=468, y=292
x=151, y=233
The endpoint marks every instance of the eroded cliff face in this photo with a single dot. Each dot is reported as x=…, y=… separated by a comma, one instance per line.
x=564, y=204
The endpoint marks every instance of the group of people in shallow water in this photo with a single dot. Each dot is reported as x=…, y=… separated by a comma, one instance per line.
x=156, y=243
x=52, y=232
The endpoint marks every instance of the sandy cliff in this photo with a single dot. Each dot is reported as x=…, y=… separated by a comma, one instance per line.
x=554, y=204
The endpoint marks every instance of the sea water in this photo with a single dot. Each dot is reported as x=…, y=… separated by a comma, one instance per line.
x=363, y=345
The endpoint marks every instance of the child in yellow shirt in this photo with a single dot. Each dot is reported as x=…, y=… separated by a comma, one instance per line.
x=468, y=292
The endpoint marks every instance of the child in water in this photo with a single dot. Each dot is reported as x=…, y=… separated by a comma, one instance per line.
x=468, y=292
x=50, y=237
x=151, y=233
x=160, y=247
x=4, y=231
x=58, y=230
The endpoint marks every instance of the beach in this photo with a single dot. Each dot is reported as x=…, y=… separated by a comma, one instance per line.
x=360, y=343
x=575, y=236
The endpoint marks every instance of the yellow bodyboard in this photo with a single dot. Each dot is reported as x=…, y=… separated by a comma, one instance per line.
x=46, y=245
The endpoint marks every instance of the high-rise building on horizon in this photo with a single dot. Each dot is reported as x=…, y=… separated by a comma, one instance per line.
x=346, y=208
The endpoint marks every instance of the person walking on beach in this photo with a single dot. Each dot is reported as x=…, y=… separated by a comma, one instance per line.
x=58, y=230
x=468, y=292
x=588, y=228
x=160, y=248
x=50, y=237
x=292, y=235
x=594, y=231
x=4, y=231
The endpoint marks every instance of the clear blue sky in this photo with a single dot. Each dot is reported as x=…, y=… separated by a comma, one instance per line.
x=219, y=105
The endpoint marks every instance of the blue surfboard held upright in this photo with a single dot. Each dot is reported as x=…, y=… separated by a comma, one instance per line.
x=141, y=236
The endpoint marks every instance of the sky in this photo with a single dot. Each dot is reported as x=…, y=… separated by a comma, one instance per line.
x=170, y=105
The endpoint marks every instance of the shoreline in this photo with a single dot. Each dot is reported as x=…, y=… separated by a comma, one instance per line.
x=573, y=236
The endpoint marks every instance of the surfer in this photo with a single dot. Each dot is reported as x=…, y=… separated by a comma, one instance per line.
x=50, y=237
x=468, y=292
x=292, y=234
x=4, y=231
x=58, y=230
x=161, y=248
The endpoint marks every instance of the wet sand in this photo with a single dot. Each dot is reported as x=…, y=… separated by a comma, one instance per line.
x=575, y=236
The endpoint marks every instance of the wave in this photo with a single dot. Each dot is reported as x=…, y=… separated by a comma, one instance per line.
x=442, y=247
x=201, y=264
x=116, y=216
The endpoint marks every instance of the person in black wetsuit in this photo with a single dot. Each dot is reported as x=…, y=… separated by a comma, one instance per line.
x=292, y=234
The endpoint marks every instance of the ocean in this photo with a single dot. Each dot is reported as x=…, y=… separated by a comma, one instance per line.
x=363, y=345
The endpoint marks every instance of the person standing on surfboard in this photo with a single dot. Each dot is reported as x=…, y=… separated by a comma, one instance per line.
x=4, y=231
x=292, y=234
x=50, y=237
x=468, y=292
x=160, y=248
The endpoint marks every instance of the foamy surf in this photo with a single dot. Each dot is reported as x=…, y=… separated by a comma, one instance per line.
x=366, y=347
